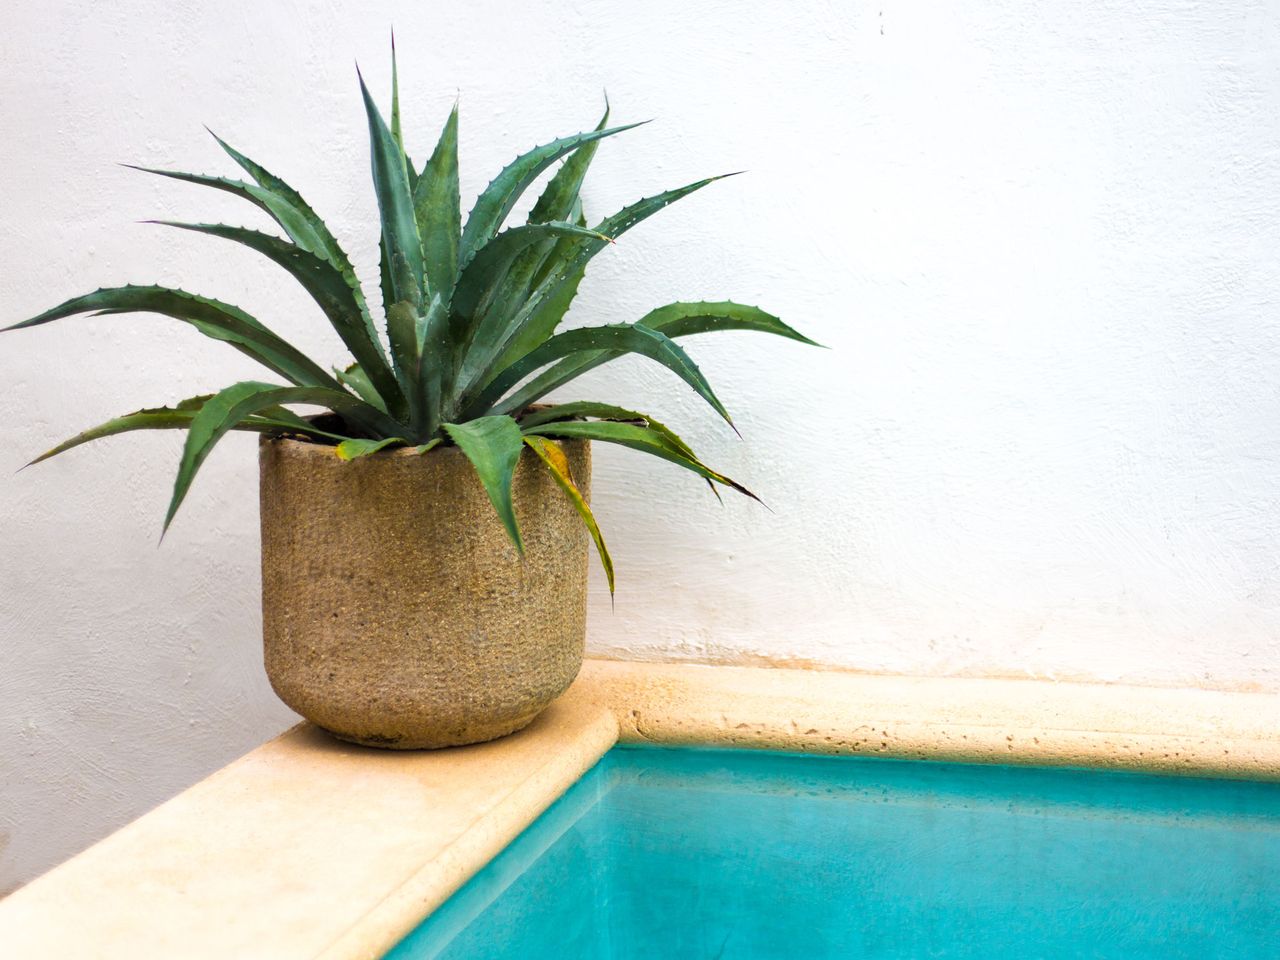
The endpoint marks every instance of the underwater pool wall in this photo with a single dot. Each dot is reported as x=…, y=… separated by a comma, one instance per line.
x=311, y=848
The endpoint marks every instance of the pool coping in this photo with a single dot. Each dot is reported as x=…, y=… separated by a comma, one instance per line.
x=311, y=848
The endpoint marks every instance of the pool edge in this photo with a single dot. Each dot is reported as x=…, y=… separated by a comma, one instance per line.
x=321, y=850
x=1156, y=730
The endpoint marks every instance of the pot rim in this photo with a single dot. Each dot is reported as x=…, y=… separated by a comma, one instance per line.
x=301, y=446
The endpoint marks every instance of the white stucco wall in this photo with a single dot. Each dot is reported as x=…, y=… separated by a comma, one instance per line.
x=1041, y=243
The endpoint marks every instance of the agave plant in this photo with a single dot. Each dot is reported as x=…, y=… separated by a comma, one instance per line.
x=470, y=316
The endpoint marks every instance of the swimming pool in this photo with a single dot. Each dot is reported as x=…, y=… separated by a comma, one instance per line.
x=688, y=853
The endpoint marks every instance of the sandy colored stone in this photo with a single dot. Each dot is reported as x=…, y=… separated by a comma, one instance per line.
x=303, y=844
x=396, y=611
x=1206, y=733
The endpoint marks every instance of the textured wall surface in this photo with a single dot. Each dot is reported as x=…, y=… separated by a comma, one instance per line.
x=1042, y=245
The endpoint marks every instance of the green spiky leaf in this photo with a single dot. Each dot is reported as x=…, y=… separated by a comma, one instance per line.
x=673, y=320
x=395, y=206
x=560, y=201
x=689, y=319
x=396, y=133
x=471, y=317
x=435, y=363
x=215, y=319
x=617, y=339
x=579, y=409
x=542, y=312
x=240, y=401
x=293, y=222
x=549, y=318
x=438, y=212
x=343, y=305
x=301, y=224
x=501, y=195
x=561, y=192
x=179, y=417
x=481, y=276
x=402, y=331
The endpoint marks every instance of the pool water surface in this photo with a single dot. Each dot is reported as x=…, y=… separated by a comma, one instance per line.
x=736, y=855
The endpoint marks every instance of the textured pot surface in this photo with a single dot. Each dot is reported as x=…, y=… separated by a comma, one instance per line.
x=396, y=612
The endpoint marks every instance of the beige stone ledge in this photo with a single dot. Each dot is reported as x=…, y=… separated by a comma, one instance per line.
x=310, y=848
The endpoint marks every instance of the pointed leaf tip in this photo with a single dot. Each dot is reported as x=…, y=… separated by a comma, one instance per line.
x=493, y=445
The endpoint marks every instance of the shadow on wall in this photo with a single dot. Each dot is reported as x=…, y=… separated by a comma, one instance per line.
x=4, y=843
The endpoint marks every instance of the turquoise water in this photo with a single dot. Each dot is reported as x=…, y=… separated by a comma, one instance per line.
x=674, y=854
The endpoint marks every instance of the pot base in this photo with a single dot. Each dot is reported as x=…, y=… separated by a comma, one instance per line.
x=481, y=733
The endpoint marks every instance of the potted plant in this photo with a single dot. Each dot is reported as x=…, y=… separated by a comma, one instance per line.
x=424, y=542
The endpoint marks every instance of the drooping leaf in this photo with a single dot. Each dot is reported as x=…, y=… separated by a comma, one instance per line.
x=395, y=207
x=341, y=303
x=579, y=409
x=558, y=466
x=504, y=191
x=178, y=417
x=637, y=438
x=429, y=445
x=353, y=449
x=688, y=319
x=493, y=446
x=542, y=312
x=221, y=412
x=673, y=320
x=215, y=319
x=438, y=211
x=617, y=338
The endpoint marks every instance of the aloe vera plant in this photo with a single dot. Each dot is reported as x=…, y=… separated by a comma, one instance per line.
x=471, y=316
